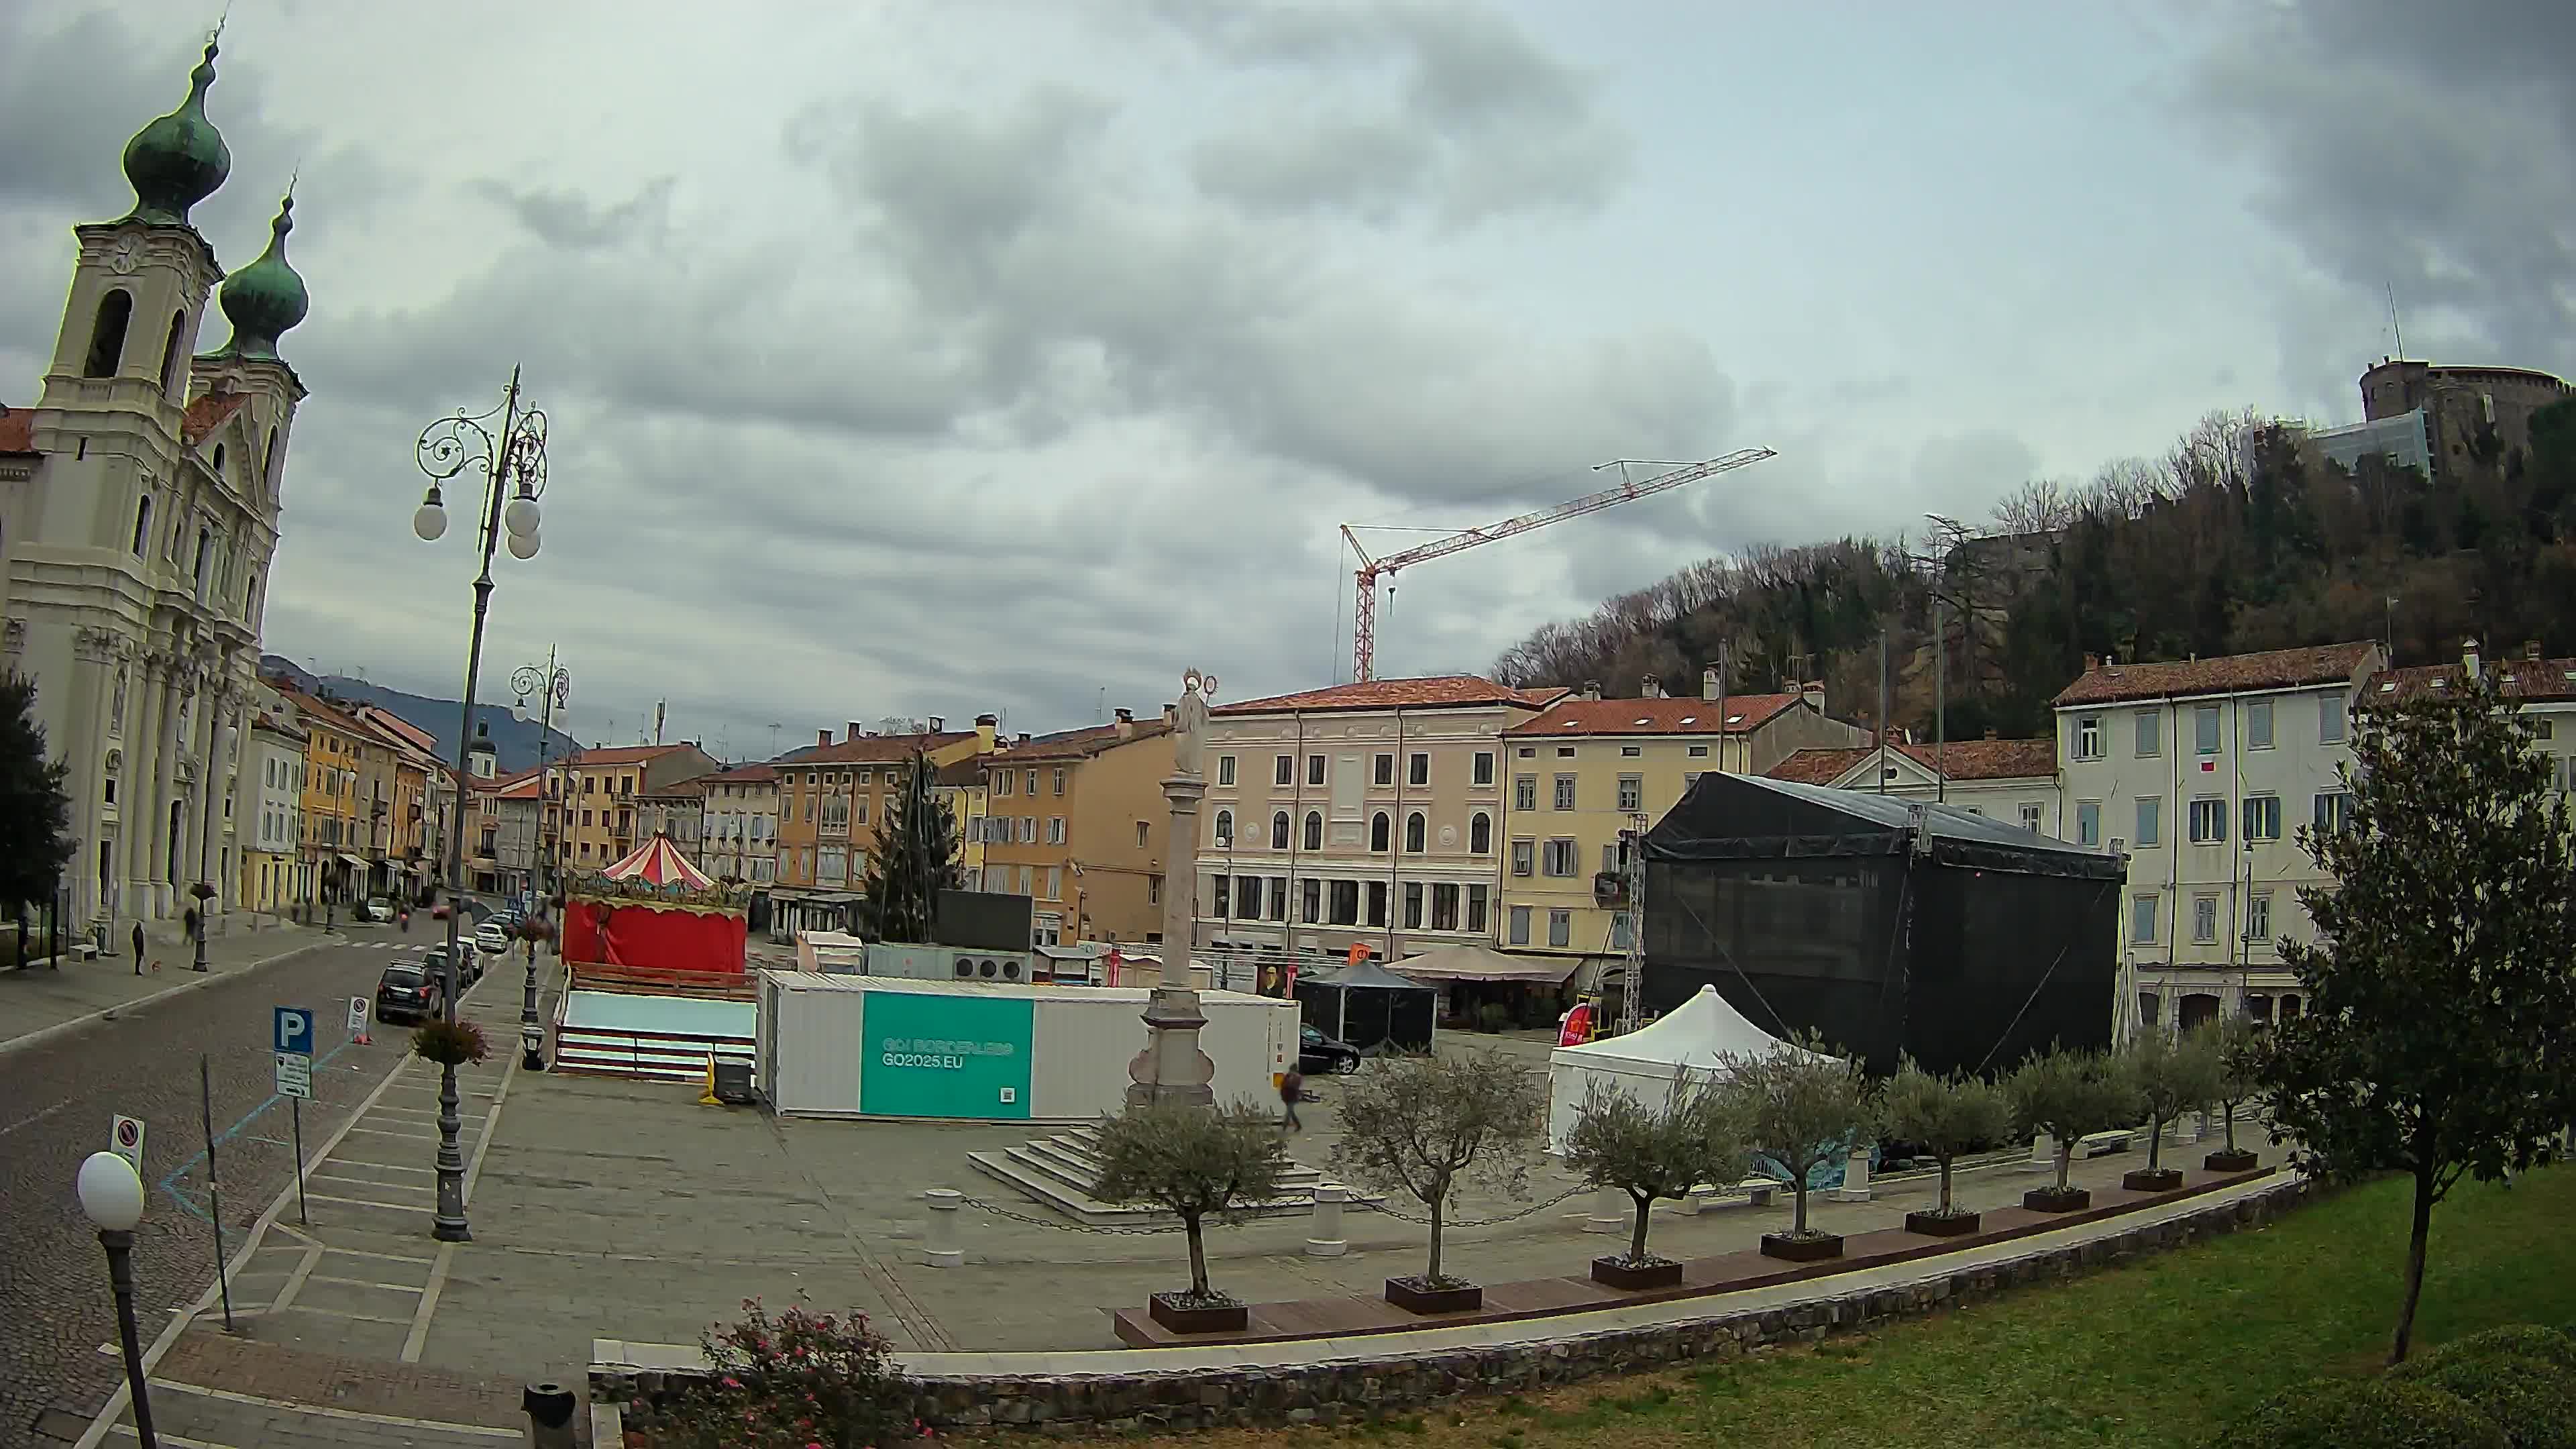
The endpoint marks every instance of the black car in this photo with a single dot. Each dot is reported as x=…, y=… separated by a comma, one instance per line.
x=407, y=992
x=1319, y=1055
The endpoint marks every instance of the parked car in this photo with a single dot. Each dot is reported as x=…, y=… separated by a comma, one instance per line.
x=377, y=908
x=491, y=939
x=408, y=991
x=1318, y=1054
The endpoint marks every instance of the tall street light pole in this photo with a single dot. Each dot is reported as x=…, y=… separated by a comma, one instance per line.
x=112, y=1196
x=512, y=459
x=555, y=683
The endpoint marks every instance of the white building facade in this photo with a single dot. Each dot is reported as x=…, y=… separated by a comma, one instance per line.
x=741, y=825
x=270, y=816
x=2202, y=773
x=138, y=517
x=2010, y=780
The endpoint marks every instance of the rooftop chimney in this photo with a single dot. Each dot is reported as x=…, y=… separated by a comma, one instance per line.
x=1023, y=739
x=1126, y=724
x=988, y=729
x=1591, y=689
x=939, y=724
x=1651, y=687
x=854, y=731
x=2469, y=657
x=1708, y=686
x=1813, y=691
x=2531, y=650
x=2092, y=662
x=1990, y=732
x=822, y=737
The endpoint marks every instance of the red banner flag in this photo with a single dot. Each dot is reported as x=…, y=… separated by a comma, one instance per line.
x=1578, y=1026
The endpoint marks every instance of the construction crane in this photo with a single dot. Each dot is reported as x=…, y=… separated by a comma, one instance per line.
x=1364, y=617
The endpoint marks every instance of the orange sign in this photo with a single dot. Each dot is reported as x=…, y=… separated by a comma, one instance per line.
x=1578, y=1027
x=1359, y=953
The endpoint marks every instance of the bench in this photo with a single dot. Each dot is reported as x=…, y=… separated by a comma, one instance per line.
x=1754, y=1191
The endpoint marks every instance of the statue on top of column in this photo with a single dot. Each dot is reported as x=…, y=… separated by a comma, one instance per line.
x=1189, y=731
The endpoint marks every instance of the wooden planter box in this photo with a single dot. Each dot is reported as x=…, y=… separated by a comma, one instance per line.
x=2152, y=1179
x=2224, y=1160
x=1180, y=1317
x=1415, y=1296
x=1941, y=1225
x=1617, y=1272
x=2050, y=1200
x=1802, y=1250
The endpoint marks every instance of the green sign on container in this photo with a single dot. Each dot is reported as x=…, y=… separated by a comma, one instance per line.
x=935, y=1055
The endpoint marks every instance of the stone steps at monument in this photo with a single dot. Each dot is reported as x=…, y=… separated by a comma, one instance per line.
x=1063, y=1177
x=1079, y=1168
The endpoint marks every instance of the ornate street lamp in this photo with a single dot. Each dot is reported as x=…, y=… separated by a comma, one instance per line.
x=555, y=684
x=112, y=1196
x=513, y=463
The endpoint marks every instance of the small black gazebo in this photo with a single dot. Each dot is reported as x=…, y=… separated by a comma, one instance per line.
x=1370, y=1007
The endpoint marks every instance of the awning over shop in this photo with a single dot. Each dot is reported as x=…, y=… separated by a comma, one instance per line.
x=359, y=861
x=1476, y=963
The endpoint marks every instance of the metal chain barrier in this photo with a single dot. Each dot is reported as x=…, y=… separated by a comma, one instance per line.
x=1446, y=1224
x=1037, y=1222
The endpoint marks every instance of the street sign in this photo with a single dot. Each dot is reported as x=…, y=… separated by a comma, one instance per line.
x=294, y=1075
x=125, y=1139
x=357, y=1013
x=294, y=1031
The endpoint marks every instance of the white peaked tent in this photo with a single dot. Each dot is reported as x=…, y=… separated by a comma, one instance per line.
x=1687, y=1042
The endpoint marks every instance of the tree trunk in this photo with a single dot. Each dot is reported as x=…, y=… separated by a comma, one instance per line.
x=1798, y=1190
x=2421, y=1229
x=1198, y=1254
x=2065, y=1163
x=2230, y=1107
x=1637, y=1237
x=2155, y=1142
x=1431, y=1275
x=1945, y=1183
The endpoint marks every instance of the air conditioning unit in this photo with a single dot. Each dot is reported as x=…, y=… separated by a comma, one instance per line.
x=945, y=963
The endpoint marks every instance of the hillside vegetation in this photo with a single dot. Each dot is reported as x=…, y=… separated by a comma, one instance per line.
x=2237, y=539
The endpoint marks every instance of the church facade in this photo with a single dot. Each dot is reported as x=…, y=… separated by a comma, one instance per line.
x=139, y=503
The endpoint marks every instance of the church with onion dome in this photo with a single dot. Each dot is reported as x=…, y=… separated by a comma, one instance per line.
x=138, y=515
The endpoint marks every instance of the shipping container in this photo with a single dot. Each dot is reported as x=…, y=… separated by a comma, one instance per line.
x=868, y=1046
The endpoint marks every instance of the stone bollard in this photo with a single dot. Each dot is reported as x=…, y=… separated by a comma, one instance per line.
x=940, y=1247
x=1324, y=1237
x=1855, y=1186
x=550, y=1410
x=2043, y=1154
x=1611, y=1212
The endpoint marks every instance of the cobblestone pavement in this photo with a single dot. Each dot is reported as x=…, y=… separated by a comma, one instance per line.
x=56, y=1099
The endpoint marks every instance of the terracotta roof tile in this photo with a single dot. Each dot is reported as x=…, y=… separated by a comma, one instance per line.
x=622, y=754
x=878, y=749
x=745, y=775
x=1433, y=691
x=2543, y=680
x=208, y=413
x=2228, y=674
x=1654, y=716
x=17, y=430
x=1961, y=759
x=1819, y=767
x=1080, y=744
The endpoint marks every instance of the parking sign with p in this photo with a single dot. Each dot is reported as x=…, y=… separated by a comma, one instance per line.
x=294, y=1031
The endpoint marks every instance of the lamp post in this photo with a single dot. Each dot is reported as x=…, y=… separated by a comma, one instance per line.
x=555, y=684
x=112, y=1196
x=513, y=462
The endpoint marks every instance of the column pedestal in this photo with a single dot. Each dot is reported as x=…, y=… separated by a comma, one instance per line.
x=1171, y=1069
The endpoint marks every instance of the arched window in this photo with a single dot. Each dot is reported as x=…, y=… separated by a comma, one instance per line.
x=170, y=352
x=268, y=462
x=1378, y=831
x=219, y=460
x=107, y=335
x=1413, y=831
x=1225, y=827
x=250, y=608
x=205, y=552
x=1480, y=834
x=1314, y=830
x=1279, y=831
x=142, y=523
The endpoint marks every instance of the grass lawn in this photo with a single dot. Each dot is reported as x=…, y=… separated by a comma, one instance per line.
x=2165, y=1351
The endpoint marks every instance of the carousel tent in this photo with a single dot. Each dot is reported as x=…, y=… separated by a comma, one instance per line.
x=1692, y=1040
x=1370, y=1007
x=654, y=911
x=657, y=862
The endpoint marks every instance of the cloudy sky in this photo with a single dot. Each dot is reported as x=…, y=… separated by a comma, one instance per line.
x=935, y=356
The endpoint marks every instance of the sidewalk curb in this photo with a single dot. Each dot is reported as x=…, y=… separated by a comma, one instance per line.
x=61, y=1029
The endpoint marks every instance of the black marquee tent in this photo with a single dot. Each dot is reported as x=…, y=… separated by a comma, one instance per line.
x=1370, y=1007
x=1888, y=925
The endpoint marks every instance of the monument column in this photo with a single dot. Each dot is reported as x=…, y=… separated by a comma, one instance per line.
x=1172, y=1069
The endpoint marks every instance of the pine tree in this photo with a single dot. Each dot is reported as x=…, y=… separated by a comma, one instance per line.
x=2439, y=1039
x=916, y=857
x=35, y=813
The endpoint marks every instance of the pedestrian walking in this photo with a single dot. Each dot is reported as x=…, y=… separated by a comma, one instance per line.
x=138, y=948
x=1292, y=1090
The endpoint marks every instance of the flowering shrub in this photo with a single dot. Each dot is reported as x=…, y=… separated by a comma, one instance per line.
x=450, y=1043
x=796, y=1381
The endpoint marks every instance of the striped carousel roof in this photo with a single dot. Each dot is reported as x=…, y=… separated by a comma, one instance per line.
x=657, y=862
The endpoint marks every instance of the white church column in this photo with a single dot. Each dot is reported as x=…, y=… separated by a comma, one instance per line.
x=138, y=804
x=178, y=718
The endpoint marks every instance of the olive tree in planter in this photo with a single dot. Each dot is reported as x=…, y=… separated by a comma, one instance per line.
x=1944, y=1116
x=1802, y=1108
x=2238, y=1048
x=1421, y=1126
x=2069, y=1095
x=1696, y=1136
x=1193, y=1163
x=2172, y=1075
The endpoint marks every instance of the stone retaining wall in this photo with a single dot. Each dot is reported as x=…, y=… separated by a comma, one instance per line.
x=1352, y=1388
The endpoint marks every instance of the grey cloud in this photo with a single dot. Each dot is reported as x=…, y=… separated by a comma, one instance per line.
x=2431, y=151
x=565, y=219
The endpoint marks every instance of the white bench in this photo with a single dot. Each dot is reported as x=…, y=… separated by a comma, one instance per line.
x=1753, y=1191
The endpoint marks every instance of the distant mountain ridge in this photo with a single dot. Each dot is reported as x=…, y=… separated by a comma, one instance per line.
x=514, y=744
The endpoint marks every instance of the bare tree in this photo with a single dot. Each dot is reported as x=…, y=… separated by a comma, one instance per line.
x=1422, y=1125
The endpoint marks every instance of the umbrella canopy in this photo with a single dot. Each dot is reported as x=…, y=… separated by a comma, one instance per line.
x=1466, y=962
x=657, y=862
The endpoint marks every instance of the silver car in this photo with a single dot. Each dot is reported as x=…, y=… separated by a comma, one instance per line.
x=491, y=940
